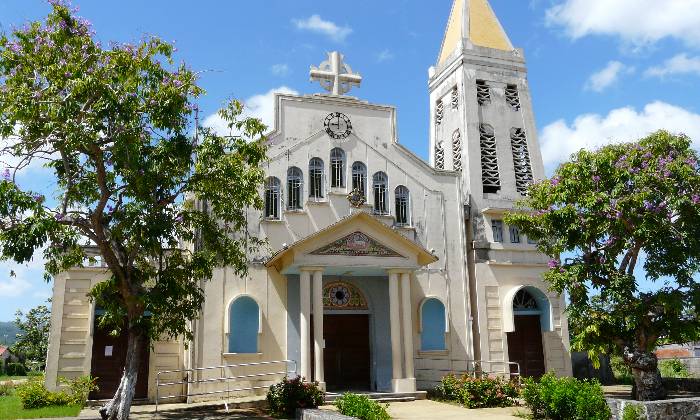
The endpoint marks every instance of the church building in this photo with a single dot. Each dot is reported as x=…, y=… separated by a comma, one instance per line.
x=383, y=272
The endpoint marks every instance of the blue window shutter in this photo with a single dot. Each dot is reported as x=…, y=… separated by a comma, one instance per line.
x=433, y=325
x=244, y=324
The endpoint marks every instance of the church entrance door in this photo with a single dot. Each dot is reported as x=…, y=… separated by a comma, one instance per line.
x=525, y=346
x=346, y=358
x=108, y=358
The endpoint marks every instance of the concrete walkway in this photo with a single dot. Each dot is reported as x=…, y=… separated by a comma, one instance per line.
x=414, y=410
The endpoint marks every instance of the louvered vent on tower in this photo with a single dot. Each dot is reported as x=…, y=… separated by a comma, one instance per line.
x=455, y=98
x=521, y=160
x=440, y=155
x=512, y=97
x=439, y=112
x=457, y=150
x=489, y=160
x=483, y=93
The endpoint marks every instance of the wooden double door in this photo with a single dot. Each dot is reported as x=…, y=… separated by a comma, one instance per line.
x=346, y=357
x=525, y=346
x=108, y=359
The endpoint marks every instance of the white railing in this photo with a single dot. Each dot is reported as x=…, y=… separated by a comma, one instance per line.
x=469, y=367
x=289, y=369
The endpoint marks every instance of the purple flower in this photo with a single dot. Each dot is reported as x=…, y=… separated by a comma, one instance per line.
x=618, y=214
x=178, y=218
x=596, y=179
x=696, y=199
x=6, y=175
x=601, y=259
x=177, y=83
x=58, y=216
x=648, y=205
x=691, y=161
x=555, y=181
x=38, y=198
x=553, y=263
x=110, y=208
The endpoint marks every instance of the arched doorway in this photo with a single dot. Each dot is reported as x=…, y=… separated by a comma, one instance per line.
x=525, y=341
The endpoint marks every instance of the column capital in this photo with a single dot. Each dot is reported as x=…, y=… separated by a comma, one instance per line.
x=312, y=269
x=403, y=270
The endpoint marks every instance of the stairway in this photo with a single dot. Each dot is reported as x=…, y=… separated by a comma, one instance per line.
x=383, y=397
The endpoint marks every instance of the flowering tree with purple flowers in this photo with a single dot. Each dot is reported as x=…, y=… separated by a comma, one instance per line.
x=113, y=126
x=624, y=213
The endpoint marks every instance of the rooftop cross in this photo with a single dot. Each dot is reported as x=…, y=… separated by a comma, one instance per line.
x=334, y=75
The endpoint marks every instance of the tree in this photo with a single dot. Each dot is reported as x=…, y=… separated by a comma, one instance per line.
x=33, y=342
x=616, y=215
x=113, y=125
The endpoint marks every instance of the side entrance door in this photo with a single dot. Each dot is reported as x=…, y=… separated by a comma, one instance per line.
x=525, y=346
x=108, y=358
x=346, y=358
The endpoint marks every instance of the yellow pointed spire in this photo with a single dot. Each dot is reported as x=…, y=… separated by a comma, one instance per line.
x=473, y=20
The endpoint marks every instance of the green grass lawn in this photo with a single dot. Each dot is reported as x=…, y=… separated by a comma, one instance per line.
x=11, y=408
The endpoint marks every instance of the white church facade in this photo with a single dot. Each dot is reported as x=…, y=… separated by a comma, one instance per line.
x=384, y=272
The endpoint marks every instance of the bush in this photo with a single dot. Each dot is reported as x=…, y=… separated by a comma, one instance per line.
x=15, y=369
x=6, y=389
x=477, y=392
x=565, y=399
x=673, y=368
x=633, y=412
x=361, y=407
x=621, y=372
x=285, y=397
x=33, y=393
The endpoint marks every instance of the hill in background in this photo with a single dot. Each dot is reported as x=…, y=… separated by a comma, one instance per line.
x=8, y=333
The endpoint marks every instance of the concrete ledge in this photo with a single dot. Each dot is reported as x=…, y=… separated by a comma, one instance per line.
x=309, y=414
x=671, y=409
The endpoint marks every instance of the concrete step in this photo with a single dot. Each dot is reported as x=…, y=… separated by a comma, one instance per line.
x=383, y=396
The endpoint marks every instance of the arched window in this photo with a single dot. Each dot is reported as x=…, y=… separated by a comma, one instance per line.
x=403, y=214
x=295, y=188
x=433, y=325
x=337, y=168
x=380, y=185
x=244, y=325
x=359, y=178
x=316, y=178
x=273, y=193
x=440, y=155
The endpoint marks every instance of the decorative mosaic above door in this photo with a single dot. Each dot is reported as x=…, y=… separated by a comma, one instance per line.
x=357, y=244
x=343, y=296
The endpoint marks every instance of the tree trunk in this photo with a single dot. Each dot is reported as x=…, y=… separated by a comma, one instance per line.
x=119, y=406
x=647, y=378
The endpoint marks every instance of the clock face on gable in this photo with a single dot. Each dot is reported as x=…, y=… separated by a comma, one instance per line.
x=338, y=125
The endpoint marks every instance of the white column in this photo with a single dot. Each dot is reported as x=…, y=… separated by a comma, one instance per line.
x=395, y=329
x=407, y=312
x=305, y=315
x=318, y=327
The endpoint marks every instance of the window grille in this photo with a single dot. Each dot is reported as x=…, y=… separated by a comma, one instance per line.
x=440, y=155
x=272, y=198
x=359, y=178
x=402, y=206
x=489, y=160
x=455, y=98
x=514, y=235
x=521, y=160
x=439, y=112
x=523, y=300
x=512, y=97
x=295, y=182
x=457, y=150
x=483, y=93
x=380, y=184
x=337, y=168
x=315, y=178
x=497, y=227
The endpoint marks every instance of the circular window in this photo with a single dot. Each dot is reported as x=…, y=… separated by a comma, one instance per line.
x=340, y=295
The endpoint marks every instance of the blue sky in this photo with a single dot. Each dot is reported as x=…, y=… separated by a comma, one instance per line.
x=598, y=70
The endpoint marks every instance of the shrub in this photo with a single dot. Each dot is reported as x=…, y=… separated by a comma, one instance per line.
x=477, y=392
x=633, y=412
x=15, y=369
x=6, y=389
x=673, y=368
x=361, y=407
x=565, y=399
x=621, y=372
x=285, y=397
x=33, y=393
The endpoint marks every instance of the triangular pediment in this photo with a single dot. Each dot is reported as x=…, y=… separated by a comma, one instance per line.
x=356, y=244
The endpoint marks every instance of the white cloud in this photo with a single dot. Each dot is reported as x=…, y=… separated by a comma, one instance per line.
x=608, y=76
x=325, y=27
x=636, y=22
x=280, y=69
x=385, y=55
x=259, y=106
x=590, y=131
x=679, y=64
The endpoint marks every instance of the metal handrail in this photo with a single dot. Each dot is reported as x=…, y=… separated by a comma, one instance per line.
x=223, y=377
x=476, y=366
